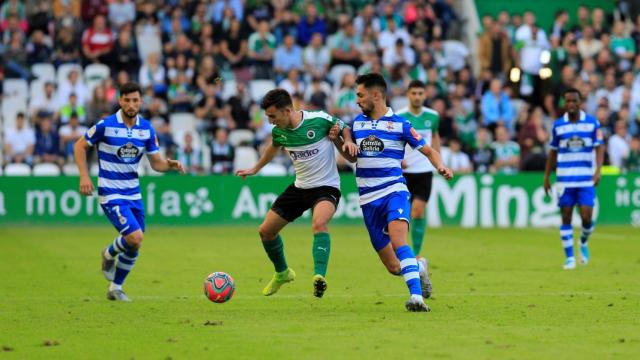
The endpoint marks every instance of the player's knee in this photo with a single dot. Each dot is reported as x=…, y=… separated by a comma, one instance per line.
x=319, y=226
x=135, y=240
x=417, y=213
x=266, y=234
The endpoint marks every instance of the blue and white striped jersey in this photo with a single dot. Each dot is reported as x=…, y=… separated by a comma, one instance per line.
x=381, y=143
x=575, y=143
x=120, y=150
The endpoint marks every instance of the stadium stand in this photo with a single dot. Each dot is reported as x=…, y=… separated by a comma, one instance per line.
x=204, y=67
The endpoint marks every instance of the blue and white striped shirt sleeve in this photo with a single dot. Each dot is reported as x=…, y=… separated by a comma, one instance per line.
x=411, y=136
x=95, y=133
x=152, y=145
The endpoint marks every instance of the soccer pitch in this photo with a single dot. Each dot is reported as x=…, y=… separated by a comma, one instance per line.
x=499, y=293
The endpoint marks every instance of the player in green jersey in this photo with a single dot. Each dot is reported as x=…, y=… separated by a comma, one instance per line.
x=317, y=186
x=416, y=169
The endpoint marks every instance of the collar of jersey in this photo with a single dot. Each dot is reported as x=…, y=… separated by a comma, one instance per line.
x=389, y=113
x=583, y=116
x=119, y=117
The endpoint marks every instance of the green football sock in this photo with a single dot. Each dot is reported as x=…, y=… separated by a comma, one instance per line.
x=417, y=234
x=321, y=250
x=275, y=251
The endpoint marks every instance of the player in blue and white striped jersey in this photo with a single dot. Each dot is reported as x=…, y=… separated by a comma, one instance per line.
x=121, y=140
x=381, y=137
x=574, y=138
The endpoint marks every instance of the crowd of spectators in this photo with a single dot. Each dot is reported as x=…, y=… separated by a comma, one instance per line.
x=185, y=53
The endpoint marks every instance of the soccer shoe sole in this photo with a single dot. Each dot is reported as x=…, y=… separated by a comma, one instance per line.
x=118, y=295
x=319, y=286
x=425, y=282
x=108, y=266
x=414, y=306
x=274, y=285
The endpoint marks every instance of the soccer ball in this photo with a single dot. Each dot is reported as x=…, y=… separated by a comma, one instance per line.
x=219, y=287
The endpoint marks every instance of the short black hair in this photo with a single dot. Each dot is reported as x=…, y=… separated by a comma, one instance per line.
x=129, y=88
x=279, y=98
x=372, y=80
x=416, y=84
x=572, y=91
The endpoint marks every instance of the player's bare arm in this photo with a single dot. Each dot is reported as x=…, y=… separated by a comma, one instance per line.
x=269, y=153
x=163, y=165
x=80, y=156
x=436, y=161
x=551, y=164
x=599, y=160
x=345, y=145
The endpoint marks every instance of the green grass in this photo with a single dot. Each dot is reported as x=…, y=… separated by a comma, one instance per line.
x=498, y=294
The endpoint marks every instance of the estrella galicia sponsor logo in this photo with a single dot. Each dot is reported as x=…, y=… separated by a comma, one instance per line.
x=371, y=146
x=311, y=134
x=128, y=152
x=303, y=155
x=576, y=143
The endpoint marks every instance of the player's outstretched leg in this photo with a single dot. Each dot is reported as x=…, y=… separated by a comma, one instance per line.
x=274, y=247
x=587, y=229
x=410, y=271
x=566, y=235
x=321, y=251
x=322, y=213
x=126, y=261
x=109, y=255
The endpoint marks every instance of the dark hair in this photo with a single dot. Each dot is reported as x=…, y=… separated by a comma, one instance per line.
x=130, y=88
x=279, y=98
x=416, y=84
x=572, y=91
x=372, y=80
x=20, y=114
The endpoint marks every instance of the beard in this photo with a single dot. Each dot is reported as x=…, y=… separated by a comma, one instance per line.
x=366, y=110
x=131, y=113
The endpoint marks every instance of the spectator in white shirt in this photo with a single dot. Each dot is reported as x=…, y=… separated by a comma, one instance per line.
x=73, y=85
x=618, y=147
x=611, y=92
x=69, y=133
x=45, y=104
x=152, y=73
x=19, y=142
x=455, y=159
x=121, y=12
x=387, y=39
x=400, y=54
x=316, y=58
x=588, y=46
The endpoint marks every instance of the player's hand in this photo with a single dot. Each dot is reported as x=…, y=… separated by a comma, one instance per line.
x=596, y=178
x=403, y=164
x=176, y=165
x=86, y=186
x=350, y=148
x=334, y=132
x=246, y=172
x=547, y=186
x=446, y=172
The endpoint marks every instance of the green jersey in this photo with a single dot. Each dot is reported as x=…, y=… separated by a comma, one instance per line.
x=310, y=149
x=426, y=123
x=504, y=151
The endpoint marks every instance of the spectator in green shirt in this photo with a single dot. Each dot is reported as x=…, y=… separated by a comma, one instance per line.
x=262, y=44
x=632, y=162
x=622, y=46
x=506, y=153
x=73, y=107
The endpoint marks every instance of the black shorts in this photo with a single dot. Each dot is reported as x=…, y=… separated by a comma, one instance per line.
x=294, y=201
x=419, y=185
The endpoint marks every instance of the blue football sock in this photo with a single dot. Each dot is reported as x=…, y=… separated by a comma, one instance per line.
x=124, y=265
x=409, y=269
x=118, y=246
x=566, y=235
x=587, y=229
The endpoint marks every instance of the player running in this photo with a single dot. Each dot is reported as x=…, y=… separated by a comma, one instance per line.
x=121, y=139
x=381, y=136
x=317, y=186
x=416, y=169
x=574, y=137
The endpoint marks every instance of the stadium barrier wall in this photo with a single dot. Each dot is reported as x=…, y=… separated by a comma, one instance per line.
x=468, y=201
